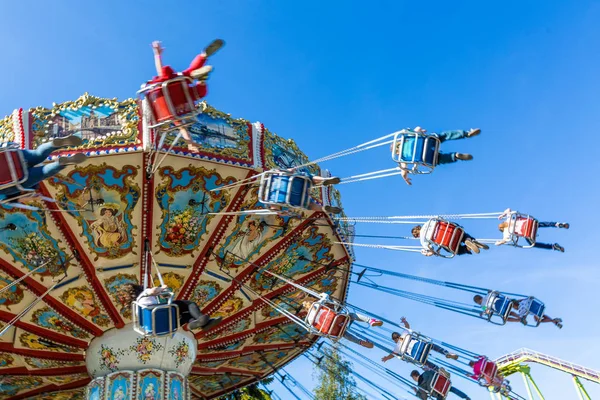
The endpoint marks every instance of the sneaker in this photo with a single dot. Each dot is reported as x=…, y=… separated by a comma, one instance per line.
x=473, y=132
x=332, y=209
x=195, y=324
x=375, y=322
x=213, y=47
x=481, y=245
x=558, y=325
x=72, y=160
x=564, y=225
x=472, y=246
x=201, y=73
x=212, y=323
x=524, y=320
x=67, y=141
x=366, y=343
x=331, y=181
x=452, y=356
x=463, y=156
x=558, y=247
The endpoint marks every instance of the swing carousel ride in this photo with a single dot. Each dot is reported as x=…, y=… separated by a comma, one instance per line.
x=101, y=222
x=230, y=216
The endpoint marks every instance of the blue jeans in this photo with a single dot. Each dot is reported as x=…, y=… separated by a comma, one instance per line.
x=458, y=393
x=539, y=245
x=447, y=158
x=36, y=173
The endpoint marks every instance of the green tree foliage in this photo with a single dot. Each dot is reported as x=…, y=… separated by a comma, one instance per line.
x=334, y=375
x=250, y=392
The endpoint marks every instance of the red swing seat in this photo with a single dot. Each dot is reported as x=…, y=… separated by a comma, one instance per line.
x=329, y=323
x=489, y=370
x=172, y=100
x=445, y=235
x=13, y=169
x=441, y=384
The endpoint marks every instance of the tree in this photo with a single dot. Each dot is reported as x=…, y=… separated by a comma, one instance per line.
x=250, y=392
x=334, y=376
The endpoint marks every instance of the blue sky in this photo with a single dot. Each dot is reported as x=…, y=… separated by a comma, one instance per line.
x=335, y=74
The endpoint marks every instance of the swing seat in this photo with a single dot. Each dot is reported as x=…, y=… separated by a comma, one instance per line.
x=421, y=346
x=444, y=235
x=489, y=370
x=440, y=385
x=536, y=308
x=285, y=189
x=420, y=351
x=155, y=320
x=13, y=169
x=417, y=150
x=523, y=226
x=500, y=306
x=172, y=100
x=328, y=322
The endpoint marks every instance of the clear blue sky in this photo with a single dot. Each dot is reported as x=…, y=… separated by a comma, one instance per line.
x=334, y=74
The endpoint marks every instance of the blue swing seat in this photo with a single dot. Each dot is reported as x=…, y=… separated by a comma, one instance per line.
x=285, y=189
x=417, y=150
x=420, y=350
x=156, y=319
x=500, y=306
x=536, y=308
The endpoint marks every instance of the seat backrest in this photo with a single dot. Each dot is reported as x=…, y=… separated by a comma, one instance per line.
x=175, y=93
x=441, y=384
x=12, y=168
x=448, y=235
x=159, y=319
x=329, y=322
x=489, y=369
x=536, y=307
x=278, y=188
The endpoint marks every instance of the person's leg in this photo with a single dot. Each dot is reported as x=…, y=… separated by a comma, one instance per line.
x=38, y=174
x=39, y=155
x=350, y=337
x=197, y=62
x=452, y=135
x=546, y=318
x=547, y=224
x=184, y=313
x=43, y=151
x=458, y=393
x=443, y=351
x=359, y=317
x=463, y=249
x=195, y=313
x=546, y=246
x=446, y=158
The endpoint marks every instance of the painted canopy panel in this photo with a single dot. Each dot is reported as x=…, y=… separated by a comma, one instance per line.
x=215, y=260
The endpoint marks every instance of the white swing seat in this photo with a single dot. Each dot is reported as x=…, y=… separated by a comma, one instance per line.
x=418, y=151
x=285, y=189
x=329, y=320
x=443, y=237
x=157, y=319
x=173, y=100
